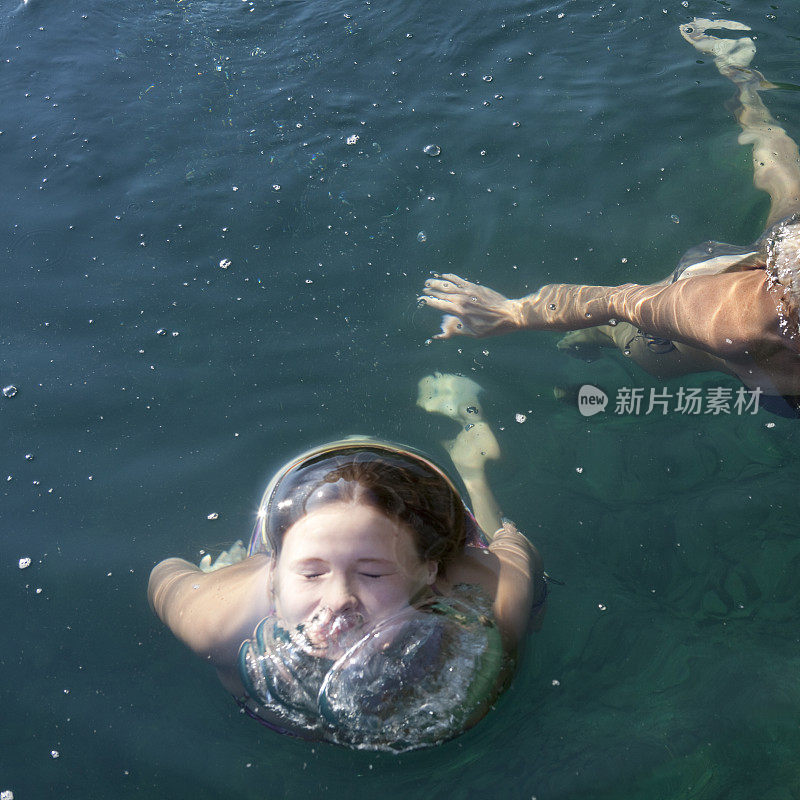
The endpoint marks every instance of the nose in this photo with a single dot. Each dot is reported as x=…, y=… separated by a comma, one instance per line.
x=339, y=596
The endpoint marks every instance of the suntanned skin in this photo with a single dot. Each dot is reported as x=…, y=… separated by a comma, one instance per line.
x=213, y=612
x=730, y=322
x=720, y=322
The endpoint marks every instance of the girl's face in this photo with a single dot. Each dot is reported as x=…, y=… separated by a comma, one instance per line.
x=344, y=568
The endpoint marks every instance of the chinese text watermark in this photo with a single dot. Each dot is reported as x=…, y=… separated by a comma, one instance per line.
x=714, y=400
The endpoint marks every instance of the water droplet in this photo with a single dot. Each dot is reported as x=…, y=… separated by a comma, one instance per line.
x=225, y=263
x=469, y=427
x=276, y=187
x=675, y=218
x=353, y=139
x=29, y=456
x=9, y=391
x=520, y=418
x=498, y=97
x=53, y=753
x=422, y=236
x=213, y=515
x=24, y=563
x=552, y=306
x=161, y=332
x=432, y=150
x=472, y=410
x=515, y=124
x=487, y=78
x=613, y=323
x=579, y=470
x=555, y=682
x=601, y=606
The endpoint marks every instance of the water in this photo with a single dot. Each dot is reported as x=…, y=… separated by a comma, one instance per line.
x=144, y=146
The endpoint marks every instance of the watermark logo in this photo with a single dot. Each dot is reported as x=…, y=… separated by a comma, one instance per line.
x=714, y=400
x=591, y=400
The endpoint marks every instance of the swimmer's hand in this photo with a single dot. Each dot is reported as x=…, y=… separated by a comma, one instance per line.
x=236, y=553
x=470, y=309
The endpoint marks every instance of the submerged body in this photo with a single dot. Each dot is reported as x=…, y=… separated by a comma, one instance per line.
x=370, y=609
x=727, y=309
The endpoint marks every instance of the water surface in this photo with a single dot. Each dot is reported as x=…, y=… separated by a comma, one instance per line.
x=144, y=145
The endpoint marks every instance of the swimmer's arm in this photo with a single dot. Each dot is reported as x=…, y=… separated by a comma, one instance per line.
x=520, y=570
x=212, y=613
x=730, y=315
x=473, y=310
x=722, y=314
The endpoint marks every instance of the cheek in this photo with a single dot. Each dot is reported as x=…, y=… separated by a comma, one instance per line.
x=388, y=594
x=294, y=597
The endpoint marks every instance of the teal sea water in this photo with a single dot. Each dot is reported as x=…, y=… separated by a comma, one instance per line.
x=145, y=145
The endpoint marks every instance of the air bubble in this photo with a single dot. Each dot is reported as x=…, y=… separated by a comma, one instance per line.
x=422, y=236
x=225, y=263
x=213, y=515
x=675, y=218
x=24, y=563
x=487, y=78
x=9, y=391
x=432, y=150
x=472, y=410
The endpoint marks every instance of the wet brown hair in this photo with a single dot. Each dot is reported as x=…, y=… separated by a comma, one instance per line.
x=402, y=487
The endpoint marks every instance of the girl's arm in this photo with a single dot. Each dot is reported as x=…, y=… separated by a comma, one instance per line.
x=212, y=613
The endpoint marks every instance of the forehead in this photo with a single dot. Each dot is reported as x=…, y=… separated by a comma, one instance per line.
x=342, y=530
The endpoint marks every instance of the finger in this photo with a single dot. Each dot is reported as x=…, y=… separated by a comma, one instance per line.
x=456, y=279
x=509, y=526
x=439, y=303
x=438, y=285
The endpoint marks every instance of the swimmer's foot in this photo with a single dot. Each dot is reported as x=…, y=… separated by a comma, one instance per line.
x=452, y=395
x=732, y=56
x=472, y=448
x=585, y=344
x=457, y=397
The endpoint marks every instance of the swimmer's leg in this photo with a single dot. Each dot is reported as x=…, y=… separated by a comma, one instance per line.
x=586, y=343
x=776, y=161
x=457, y=397
x=660, y=357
